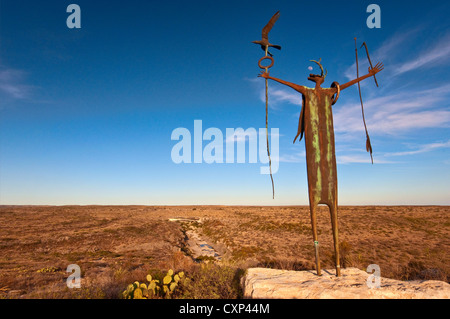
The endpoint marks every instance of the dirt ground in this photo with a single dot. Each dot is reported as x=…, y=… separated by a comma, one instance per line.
x=115, y=245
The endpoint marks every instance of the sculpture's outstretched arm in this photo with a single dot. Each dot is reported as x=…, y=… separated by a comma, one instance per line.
x=299, y=88
x=379, y=67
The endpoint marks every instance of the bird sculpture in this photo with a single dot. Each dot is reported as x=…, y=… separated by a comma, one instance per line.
x=264, y=43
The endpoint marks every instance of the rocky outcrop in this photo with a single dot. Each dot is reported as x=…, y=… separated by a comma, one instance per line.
x=199, y=247
x=263, y=283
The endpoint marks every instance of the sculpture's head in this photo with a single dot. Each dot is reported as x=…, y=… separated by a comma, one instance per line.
x=318, y=79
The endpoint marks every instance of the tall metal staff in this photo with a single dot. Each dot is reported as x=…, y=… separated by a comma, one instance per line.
x=265, y=44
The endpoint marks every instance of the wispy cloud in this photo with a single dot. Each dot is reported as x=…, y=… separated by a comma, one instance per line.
x=431, y=57
x=360, y=159
x=391, y=52
x=297, y=157
x=421, y=149
x=277, y=95
x=12, y=83
x=397, y=113
x=364, y=158
x=386, y=53
x=384, y=158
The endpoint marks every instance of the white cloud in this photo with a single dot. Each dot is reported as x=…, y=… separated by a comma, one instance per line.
x=279, y=96
x=396, y=113
x=383, y=158
x=440, y=52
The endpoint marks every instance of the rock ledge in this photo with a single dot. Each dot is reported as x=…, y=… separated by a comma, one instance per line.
x=263, y=283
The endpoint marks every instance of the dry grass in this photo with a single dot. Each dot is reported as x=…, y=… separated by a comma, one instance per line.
x=116, y=245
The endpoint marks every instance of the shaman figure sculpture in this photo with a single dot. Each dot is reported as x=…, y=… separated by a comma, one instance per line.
x=316, y=124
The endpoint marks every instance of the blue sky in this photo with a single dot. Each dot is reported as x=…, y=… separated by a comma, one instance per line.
x=86, y=115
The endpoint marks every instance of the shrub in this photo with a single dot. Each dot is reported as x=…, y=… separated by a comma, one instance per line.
x=416, y=270
x=212, y=281
x=345, y=258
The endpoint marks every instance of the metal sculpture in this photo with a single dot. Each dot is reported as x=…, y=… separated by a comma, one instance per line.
x=264, y=42
x=316, y=124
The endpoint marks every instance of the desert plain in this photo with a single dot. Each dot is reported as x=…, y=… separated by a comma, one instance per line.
x=117, y=245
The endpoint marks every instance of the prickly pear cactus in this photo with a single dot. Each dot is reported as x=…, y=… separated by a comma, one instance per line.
x=155, y=288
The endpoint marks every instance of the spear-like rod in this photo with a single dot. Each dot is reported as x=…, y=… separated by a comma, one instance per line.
x=368, y=144
x=267, y=127
x=370, y=61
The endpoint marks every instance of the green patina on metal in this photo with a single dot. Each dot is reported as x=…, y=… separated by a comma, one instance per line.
x=330, y=147
x=318, y=186
x=329, y=130
x=314, y=121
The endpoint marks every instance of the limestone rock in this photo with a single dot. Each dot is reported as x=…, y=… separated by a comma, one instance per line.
x=200, y=247
x=263, y=283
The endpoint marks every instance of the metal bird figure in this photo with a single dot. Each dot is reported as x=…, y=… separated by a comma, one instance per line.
x=264, y=43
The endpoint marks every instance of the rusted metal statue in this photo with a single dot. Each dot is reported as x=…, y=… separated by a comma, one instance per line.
x=316, y=124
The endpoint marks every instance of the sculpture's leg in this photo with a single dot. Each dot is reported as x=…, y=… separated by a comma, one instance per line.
x=313, y=211
x=334, y=226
